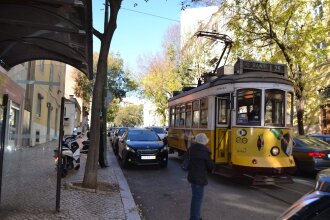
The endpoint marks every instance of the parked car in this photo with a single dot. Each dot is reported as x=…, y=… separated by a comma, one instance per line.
x=310, y=154
x=116, y=137
x=323, y=137
x=159, y=130
x=111, y=132
x=142, y=147
x=314, y=205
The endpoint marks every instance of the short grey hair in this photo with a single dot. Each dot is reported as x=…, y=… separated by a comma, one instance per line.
x=201, y=138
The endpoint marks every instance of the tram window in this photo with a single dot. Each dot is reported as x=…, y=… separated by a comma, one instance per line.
x=222, y=111
x=289, y=109
x=188, y=114
x=172, y=116
x=182, y=115
x=203, y=114
x=248, y=106
x=177, y=116
x=195, y=121
x=274, y=107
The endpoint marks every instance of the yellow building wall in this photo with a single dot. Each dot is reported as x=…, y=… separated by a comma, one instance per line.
x=51, y=94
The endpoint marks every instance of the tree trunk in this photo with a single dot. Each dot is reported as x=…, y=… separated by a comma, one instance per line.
x=90, y=176
x=300, y=119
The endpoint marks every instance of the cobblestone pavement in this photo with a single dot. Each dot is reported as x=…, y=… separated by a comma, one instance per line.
x=29, y=188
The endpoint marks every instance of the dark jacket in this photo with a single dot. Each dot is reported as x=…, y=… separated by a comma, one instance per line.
x=199, y=163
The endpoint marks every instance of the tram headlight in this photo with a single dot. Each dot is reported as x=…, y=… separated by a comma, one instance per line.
x=275, y=151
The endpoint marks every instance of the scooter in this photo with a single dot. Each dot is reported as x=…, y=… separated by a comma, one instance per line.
x=70, y=155
x=86, y=144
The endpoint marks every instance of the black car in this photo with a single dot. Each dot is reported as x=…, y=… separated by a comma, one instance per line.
x=116, y=137
x=310, y=154
x=142, y=147
x=314, y=205
x=323, y=137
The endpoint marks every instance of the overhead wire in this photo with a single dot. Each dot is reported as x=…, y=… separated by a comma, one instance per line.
x=153, y=15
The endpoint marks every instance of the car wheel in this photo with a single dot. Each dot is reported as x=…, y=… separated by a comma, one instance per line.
x=124, y=162
x=163, y=164
x=297, y=170
x=115, y=150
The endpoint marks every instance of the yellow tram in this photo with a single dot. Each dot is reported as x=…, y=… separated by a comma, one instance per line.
x=246, y=110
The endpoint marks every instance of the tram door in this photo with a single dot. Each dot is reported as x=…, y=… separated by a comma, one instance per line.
x=222, y=129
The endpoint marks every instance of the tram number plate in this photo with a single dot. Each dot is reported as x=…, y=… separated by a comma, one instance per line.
x=148, y=157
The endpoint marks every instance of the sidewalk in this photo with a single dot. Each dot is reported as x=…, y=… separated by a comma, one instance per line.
x=29, y=189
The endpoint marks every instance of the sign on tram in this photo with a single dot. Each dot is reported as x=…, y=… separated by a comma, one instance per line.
x=243, y=66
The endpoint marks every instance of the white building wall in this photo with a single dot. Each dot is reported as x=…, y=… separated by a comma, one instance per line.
x=191, y=20
x=69, y=117
x=150, y=118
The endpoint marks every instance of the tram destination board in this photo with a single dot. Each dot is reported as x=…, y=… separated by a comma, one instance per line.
x=244, y=66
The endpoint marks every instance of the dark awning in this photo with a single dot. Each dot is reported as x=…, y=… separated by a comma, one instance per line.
x=47, y=29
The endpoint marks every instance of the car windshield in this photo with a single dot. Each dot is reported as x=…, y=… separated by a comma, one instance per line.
x=314, y=143
x=159, y=130
x=121, y=131
x=142, y=135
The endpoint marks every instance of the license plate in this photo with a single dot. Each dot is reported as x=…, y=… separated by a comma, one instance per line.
x=148, y=157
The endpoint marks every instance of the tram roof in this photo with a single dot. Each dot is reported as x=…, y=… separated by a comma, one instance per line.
x=249, y=77
x=47, y=29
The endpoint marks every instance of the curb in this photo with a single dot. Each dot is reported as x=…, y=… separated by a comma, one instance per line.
x=130, y=208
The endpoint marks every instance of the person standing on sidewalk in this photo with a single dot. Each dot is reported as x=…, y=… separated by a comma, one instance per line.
x=199, y=164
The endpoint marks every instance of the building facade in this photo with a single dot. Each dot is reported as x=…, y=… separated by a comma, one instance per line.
x=44, y=99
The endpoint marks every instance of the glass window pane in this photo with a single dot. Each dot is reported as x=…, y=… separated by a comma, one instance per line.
x=196, y=105
x=222, y=111
x=203, y=118
x=274, y=109
x=195, y=119
x=188, y=119
x=204, y=103
x=289, y=109
x=177, y=120
x=248, y=106
x=182, y=118
x=188, y=106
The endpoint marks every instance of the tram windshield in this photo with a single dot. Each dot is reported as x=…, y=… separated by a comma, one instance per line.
x=274, y=107
x=248, y=106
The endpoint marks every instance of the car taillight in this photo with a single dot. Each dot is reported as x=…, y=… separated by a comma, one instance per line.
x=316, y=154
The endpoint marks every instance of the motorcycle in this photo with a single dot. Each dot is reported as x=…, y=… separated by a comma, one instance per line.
x=86, y=144
x=70, y=155
x=85, y=147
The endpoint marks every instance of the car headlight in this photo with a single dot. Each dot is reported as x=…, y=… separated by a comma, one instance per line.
x=164, y=148
x=128, y=148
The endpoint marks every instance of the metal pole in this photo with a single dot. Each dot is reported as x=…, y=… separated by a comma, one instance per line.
x=59, y=162
x=2, y=137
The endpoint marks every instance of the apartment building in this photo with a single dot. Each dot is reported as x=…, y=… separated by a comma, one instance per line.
x=43, y=100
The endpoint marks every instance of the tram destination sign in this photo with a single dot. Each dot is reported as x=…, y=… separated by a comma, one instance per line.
x=244, y=66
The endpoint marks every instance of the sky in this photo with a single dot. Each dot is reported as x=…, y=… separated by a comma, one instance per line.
x=140, y=29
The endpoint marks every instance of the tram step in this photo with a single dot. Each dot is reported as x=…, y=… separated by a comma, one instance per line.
x=224, y=171
x=271, y=180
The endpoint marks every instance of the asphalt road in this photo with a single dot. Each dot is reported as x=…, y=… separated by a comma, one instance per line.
x=164, y=194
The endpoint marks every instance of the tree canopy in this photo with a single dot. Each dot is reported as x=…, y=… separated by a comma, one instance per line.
x=283, y=31
x=161, y=76
x=129, y=116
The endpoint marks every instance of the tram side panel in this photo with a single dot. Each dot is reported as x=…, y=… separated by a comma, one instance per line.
x=180, y=139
